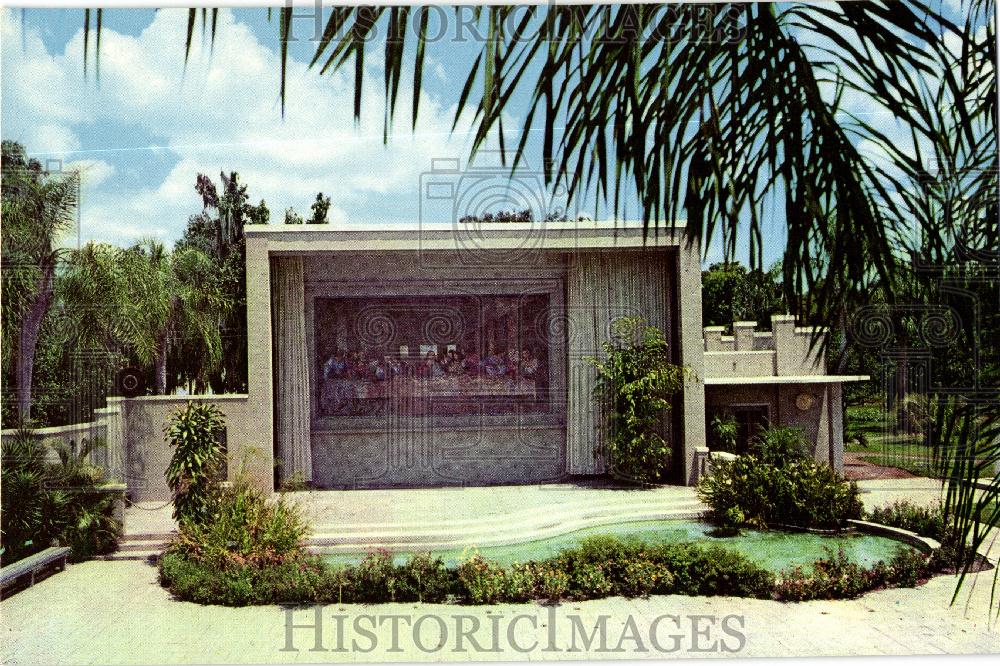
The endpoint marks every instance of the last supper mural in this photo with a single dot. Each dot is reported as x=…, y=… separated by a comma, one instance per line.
x=440, y=355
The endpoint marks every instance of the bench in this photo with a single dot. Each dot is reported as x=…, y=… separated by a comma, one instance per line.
x=33, y=564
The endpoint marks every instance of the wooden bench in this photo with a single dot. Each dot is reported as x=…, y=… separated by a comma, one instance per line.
x=32, y=565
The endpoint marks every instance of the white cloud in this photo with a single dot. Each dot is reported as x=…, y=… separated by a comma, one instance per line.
x=93, y=172
x=220, y=112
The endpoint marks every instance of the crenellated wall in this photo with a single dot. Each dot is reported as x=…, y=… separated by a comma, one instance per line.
x=785, y=350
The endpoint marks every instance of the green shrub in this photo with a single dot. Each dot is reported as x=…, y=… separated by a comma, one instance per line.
x=644, y=577
x=521, y=580
x=374, y=580
x=712, y=571
x=551, y=581
x=297, y=578
x=424, y=578
x=908, y=567
x=926, y=521
x=779, y=446
x=42, y=503
x=725, y=431
x=194, y=431
x=244, y=528
x=91, y=528
x=588, y=581
x=749, y=492
x=335, y=586
x=836, y=577
x=632, y=569
x=635, y=384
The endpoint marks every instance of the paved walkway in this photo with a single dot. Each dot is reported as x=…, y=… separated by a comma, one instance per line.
x=333, y=509
x=429, y=506
x=116, y=613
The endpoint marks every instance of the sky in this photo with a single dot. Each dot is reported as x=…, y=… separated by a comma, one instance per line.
x=149, y=123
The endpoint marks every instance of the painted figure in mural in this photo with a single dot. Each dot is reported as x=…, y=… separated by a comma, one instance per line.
x=529, y=365
x=471, y=364
x=495, y=365
x=335, y=366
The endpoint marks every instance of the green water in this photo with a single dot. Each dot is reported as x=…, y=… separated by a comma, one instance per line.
x=774, y=550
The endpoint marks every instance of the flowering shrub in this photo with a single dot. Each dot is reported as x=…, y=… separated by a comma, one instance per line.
x=243, y=528
x=481, y=581
x=836, y=577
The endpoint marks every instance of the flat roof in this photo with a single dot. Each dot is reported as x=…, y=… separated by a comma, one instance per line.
x=785, y=379
x=542, y=235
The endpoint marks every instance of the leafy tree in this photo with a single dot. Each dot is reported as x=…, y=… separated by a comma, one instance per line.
x=38, y=207
x=292, y=217
x=730, y=292
x=218, y=232
x=320, y=208
x=172, y=297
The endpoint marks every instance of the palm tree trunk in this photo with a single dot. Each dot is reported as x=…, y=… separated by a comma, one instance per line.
x=31, y=328
x=161, y=364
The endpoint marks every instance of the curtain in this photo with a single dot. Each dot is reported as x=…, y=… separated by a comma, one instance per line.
x=600, y=288
x=291, y=369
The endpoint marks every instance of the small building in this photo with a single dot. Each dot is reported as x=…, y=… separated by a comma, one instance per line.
x=436, y=355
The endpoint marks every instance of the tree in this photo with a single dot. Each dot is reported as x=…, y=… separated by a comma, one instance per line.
x=144, y=302
x=292, y=217
x=319, y=209
x=218, y=232
x=38, y=206
x=729, y=292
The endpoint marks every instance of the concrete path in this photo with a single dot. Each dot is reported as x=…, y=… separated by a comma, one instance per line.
x=116, y=613
x=443, y=518
x=446, y=518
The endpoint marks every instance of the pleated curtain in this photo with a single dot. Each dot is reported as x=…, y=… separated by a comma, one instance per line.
x=291, y=369
x=602, y=287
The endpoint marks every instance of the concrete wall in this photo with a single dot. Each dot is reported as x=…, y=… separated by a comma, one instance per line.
x=785, y=350
x=820, y=423
x=105, y=427
x=148, y=453
x=415, y=456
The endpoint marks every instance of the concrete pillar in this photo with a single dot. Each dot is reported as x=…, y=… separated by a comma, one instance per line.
x=835, y=392
x=743, y=334
x=260, y=465
x=713, y=337
x=786, y=352
x=692, y=353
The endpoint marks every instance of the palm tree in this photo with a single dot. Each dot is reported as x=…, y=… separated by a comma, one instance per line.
x=167, y=297
x=143, y=300
x=38, y=206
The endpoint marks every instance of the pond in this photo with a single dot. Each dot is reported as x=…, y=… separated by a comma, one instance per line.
x=774, y=549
